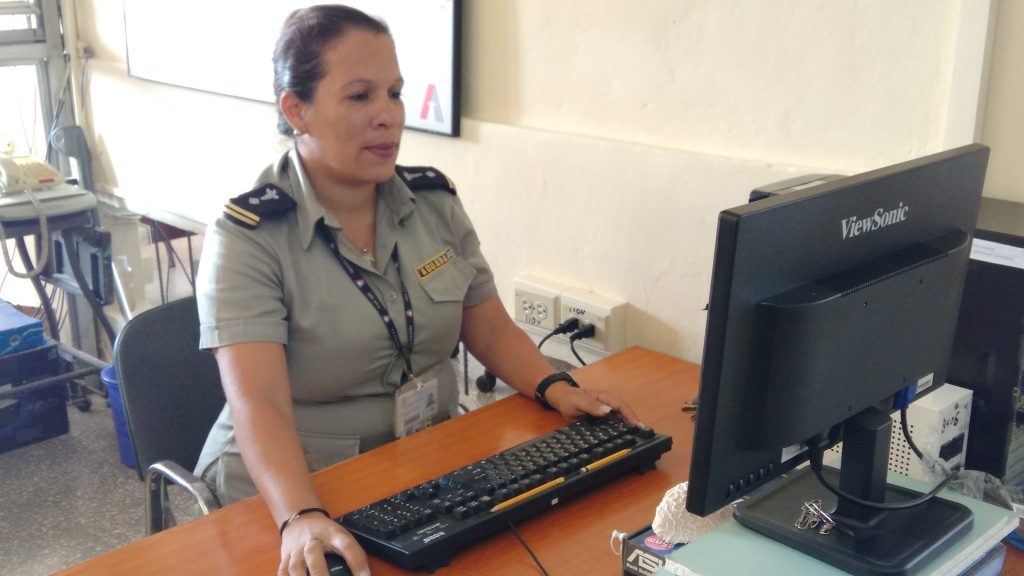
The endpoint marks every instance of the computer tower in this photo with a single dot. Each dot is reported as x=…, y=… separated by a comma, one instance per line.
x=92, y=247
x=988, y=352
x=939, y=425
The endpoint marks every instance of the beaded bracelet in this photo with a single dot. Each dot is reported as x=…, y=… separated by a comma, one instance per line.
x=300, y=513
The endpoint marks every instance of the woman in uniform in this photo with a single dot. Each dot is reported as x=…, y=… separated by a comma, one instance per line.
x=334, y=292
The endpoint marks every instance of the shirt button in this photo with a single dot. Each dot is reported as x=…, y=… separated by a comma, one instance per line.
x=392, y=296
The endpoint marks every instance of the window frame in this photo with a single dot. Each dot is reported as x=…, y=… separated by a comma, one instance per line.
x=43, y=47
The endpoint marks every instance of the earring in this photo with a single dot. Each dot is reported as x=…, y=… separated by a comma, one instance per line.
x=297, y=132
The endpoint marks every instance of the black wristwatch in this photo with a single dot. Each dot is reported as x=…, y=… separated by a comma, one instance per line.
x=546, y=383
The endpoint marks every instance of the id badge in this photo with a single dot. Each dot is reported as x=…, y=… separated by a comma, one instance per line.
x=415, y=405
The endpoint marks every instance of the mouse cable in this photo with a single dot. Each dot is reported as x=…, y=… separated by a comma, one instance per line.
x=816, y=464
x=527, y=546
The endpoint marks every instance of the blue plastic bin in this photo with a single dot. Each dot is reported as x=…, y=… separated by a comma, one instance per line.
x=124, y=440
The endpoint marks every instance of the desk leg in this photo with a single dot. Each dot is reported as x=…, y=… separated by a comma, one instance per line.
x=165, y=234
x=154, y=231
x=84, y=338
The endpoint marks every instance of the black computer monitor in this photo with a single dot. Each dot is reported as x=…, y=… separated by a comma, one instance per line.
x=826, y=302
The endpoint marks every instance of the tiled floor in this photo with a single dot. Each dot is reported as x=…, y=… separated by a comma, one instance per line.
x=68, y=498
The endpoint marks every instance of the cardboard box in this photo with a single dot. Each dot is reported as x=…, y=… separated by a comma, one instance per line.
x=18, y=332
x=643, y=553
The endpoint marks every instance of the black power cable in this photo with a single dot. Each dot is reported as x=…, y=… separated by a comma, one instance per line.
x=563, y=328
x=486, y=381
x=816, y=465
x=37, y=285
x=587, y=331
x=906, y=434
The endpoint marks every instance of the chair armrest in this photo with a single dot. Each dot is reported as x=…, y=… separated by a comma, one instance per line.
x=156, y=478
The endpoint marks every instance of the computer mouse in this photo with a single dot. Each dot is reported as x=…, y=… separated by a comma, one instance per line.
x=336, y=565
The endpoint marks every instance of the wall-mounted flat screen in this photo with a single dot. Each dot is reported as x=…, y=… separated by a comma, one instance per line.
x=226, y=47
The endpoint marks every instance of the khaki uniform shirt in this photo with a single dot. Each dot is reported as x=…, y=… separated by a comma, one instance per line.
x=279, y=282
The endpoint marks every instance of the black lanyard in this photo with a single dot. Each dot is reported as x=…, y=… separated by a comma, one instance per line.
x=364, y=287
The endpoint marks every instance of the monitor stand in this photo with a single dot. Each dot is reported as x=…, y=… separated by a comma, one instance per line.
x=871, y=542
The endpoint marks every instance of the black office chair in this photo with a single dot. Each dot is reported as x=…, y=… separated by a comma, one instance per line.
x=172, y=396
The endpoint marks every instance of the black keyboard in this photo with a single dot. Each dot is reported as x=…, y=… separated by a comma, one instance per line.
x=424, y=526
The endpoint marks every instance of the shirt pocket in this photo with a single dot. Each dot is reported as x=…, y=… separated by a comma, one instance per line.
x=450, y=284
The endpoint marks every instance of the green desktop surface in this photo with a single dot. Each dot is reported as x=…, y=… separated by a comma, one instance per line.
x=735, y=549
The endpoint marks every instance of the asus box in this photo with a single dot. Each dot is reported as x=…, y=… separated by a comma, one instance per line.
x=643, y=553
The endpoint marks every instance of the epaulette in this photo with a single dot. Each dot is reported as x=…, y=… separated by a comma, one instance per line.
x=424, y=178
x=249, y=209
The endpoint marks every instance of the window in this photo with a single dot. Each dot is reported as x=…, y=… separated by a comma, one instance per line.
x=22, y=131
x=21, y=21
x=32, y=74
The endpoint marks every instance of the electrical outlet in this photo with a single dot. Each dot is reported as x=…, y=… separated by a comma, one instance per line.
x=608, y=315
x=85, y=51
x=536, y=302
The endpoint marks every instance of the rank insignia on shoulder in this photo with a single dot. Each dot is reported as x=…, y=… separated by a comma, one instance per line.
x=249, y=209
x=424, y=178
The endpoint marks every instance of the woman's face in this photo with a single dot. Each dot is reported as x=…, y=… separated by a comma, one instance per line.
x=354, y=123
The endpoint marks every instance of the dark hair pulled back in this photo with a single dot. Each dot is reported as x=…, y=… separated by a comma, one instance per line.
x=298, y=55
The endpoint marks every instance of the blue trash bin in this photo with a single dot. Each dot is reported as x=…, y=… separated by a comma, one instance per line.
x=124, y=440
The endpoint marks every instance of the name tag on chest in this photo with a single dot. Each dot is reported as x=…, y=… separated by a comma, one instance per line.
x=416, y=405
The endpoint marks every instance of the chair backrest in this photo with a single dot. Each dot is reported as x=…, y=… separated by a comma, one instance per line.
x=170, y=388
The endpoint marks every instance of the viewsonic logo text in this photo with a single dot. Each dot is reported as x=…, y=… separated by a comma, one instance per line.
x=854, y=226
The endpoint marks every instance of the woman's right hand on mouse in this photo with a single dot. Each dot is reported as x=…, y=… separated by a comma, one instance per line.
x=306, y=540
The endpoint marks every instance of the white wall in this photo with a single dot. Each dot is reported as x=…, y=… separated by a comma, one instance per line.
x=842, y=84
x=600, y=138
x=1004, y=116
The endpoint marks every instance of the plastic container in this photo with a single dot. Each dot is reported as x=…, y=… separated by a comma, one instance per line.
x=18, y=332
x=124, y=440
x=33, y=417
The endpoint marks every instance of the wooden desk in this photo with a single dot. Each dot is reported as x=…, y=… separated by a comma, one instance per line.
x=1014, y=564
x=570, y=539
